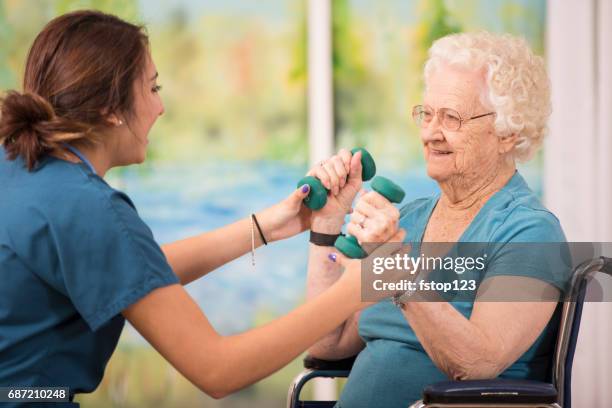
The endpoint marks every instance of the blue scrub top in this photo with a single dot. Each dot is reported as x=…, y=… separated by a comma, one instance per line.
x=73, y=254
x=393, y=368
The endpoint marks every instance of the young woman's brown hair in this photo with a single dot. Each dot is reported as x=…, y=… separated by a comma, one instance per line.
x=79, y=70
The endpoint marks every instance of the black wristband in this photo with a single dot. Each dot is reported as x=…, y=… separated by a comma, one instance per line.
x=259, y=229
x=321, y=239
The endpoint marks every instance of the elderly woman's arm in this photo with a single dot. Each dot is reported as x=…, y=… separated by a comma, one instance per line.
x=494, y=337
x=344, y=341
x=373, y=220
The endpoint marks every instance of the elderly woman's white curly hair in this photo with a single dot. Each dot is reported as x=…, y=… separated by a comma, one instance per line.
x=517, y=85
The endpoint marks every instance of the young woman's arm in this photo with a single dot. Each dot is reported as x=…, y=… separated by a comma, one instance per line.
x=194, y=257
x=218, y=365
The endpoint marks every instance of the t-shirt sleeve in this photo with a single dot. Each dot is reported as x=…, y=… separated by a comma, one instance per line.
x=532, y=244
x=109, y=258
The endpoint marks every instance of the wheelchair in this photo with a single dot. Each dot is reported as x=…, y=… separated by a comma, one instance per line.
x=488, y=393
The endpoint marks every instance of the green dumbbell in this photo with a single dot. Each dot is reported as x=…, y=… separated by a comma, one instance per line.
x=318, y=193
x=348, y=245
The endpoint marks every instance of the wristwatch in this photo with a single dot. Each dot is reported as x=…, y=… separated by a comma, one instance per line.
x=401, y=299
x=321, y=239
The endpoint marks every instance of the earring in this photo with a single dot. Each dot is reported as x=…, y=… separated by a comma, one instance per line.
x=120, y=123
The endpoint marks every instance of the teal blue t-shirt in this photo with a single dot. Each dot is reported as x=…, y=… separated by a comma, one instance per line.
x=73, y=254
x=393, y=368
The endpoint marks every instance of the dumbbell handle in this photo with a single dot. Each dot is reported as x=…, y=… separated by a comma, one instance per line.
x=349, y=245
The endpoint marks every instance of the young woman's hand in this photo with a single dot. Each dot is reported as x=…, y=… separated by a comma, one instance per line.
x=341, y=175
x=287, y=218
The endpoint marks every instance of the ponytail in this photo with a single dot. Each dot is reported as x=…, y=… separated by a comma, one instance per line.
x=30, y=129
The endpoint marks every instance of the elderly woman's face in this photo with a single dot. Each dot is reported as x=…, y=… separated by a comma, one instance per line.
x=473, y=150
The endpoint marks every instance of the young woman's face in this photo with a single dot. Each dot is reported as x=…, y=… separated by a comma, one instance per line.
x=132, y=138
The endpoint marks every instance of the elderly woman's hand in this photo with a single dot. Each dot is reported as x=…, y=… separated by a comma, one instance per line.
x=353, y=268
x=374, y=219
x=341, y=175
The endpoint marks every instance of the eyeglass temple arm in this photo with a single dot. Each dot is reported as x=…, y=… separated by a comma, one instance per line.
x=480, y=116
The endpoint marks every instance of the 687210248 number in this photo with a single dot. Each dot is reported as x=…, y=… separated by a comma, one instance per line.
x=34, y=394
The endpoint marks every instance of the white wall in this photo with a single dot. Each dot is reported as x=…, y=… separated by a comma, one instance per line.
x=578, y=165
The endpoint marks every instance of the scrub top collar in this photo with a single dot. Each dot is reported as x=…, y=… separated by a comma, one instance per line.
x=81, y=156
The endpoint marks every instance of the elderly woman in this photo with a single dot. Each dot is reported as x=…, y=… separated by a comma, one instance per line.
x=485, y=107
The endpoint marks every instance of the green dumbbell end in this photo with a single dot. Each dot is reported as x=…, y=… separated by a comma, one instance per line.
x=317, y=197
x=349, y=246
x=368, y=166
x=388, y=189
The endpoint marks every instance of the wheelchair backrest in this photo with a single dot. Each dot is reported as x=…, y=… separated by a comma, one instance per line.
x=570, y=324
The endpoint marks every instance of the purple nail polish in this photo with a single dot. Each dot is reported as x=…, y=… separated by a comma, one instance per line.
x=332, y=257
x=305, y=188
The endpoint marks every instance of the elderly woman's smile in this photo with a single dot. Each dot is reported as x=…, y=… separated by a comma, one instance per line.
x=439, y=153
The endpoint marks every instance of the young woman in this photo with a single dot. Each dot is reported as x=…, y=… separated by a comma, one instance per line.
x=76, y=260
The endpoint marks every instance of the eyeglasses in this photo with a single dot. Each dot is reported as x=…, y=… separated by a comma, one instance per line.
x=448, y=118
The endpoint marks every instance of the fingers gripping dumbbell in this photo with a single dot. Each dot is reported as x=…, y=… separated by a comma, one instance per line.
x=349, y=245
x=317, y=197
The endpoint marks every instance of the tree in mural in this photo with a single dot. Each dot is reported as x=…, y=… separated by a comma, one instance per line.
x=358, y=99
x=435, y=22
x=126, y=9
x=7, y=77
x=364, y=98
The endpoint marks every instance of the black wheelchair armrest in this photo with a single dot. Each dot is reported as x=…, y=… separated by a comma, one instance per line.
x=345, y=364
x=496, y=391
x=314, y=368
